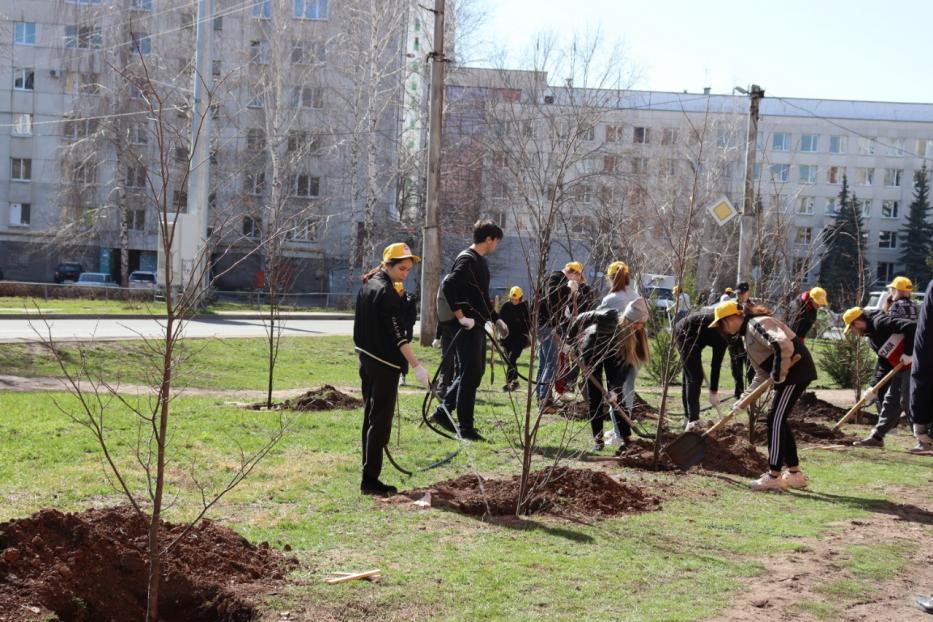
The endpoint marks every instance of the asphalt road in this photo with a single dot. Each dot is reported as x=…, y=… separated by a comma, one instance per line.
x=64, y=329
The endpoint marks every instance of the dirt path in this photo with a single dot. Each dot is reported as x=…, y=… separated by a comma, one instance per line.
x=792, y=578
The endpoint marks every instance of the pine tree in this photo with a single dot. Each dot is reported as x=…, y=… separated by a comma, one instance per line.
x=917, y=233
x=842, y=266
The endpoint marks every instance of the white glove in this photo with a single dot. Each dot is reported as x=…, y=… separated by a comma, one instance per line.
x=503, y=329
x=467, y=322
x=489, y=327
x=738, y=408
x=436, y=343
x=421, y=375
x=906, y=360
x=573, y=285
x=869, y=396
x=714, y=398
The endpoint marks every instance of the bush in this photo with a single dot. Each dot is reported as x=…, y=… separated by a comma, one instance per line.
x=661, y=345
x=839, y=361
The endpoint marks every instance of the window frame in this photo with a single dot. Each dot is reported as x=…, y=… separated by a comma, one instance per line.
x=785, y=142
x=24, y=40
x=23, y=208
x=814, y=140
x=24, y=174
x=887, y=239
x=301, y=9
x=26, y=76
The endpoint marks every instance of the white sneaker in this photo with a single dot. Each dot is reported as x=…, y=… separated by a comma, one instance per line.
x=795, y=480
x=695, y=426
x=766, y=482
x=922, y=447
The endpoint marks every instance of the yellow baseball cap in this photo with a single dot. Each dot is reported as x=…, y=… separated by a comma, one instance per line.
x=729, y=291
x=818, y=295
x=399, y=250
x=724, y=310
x=614, y=267
x=516, y=292
x=399, y=287
x=902, y=283
x=850, y=316
x=574, y=266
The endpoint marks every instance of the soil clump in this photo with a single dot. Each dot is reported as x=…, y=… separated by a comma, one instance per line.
x=727, y=453
x=326, y=397
x=813, y=407
x=93, y=566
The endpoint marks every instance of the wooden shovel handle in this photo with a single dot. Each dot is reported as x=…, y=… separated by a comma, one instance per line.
x=858, y=405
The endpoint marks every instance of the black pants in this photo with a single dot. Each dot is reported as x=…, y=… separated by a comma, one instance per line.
x=782, y=449
x=610, y=368
x=513, y=350
x=692, y=360
x=469, y=349
x=448, y=367
x=921, y=390
x=380, y=389
x=742, y=372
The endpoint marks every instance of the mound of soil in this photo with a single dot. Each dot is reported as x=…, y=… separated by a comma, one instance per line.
x=558, y=491
x=93, y=566
x=729, y=453
x=809, y=405
x=316, y=400
x=805, y=431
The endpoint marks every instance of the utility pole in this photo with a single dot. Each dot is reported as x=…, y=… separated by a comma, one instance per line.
x=431, y=234
x=748, y=224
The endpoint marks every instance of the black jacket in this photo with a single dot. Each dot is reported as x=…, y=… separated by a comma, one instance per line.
x=693, y=333
x=409, y=314
x=378, y=326
x=466, y=287
x=516, y=318
x=921, y=378
x=556, y=299
x=594, y=335
x=880, y=327
x=801, y=315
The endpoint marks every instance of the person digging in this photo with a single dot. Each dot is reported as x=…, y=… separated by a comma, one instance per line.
x=516, y=315
x=892, y=339
x=801, y=315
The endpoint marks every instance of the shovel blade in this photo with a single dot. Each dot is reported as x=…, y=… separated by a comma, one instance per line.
x=686, y=450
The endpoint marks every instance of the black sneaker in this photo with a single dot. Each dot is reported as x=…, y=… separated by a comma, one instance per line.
x=870, y=441
x=443, y=421
x=377, y=489
x=622, y=448
x=472, y=435
x=507, y=387
x=598, y=443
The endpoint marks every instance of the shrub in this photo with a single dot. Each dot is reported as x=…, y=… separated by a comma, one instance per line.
x=662, y=345
x=849, y=361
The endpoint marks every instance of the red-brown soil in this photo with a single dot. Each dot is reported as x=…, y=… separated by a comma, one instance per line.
x=810, y=406
x=558, y=491
x=806, y=431
x=727, y=453
x=326, y=397
x=93, y=566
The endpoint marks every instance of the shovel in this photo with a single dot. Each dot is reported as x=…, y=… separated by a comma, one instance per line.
x=858, y=405
x=689, y=448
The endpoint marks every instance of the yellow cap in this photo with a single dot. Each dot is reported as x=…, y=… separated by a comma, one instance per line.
x=724, y=310
x=399, y=250
x=574, y=266
x=850, y=316
x=399, y=287
x=516, y=292
x=818, y=295
x=902, y=283
x=614, y=267
x=729, y=291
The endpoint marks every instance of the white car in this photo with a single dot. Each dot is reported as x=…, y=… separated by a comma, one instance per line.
x=876, y=299
x=141, y=279
x=95, y=279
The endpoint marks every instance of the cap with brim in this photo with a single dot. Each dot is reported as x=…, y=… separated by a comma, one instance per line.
x=850, y=316
x=614, y=268
x=724, y=310
x=637, y=311
x=397, y=251
x=742, y=287
x=574, y=266
x=516, y=292
x=902, y=283
x=818, y=295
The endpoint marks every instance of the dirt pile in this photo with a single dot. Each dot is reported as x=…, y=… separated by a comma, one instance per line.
x=809, y=405
x=579, y=409
x=93, y=566
x=558, y=491
x=326, y=397
x=729, y=453
x=805, y=431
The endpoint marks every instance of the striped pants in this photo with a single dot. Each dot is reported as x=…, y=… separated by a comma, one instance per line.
x=782, y=450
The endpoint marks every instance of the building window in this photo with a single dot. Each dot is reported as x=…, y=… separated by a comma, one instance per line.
x=809, y=143
x=834, y=174
x=780, y=172
x=19, y=214
x=21, y=169
x=255, y=97
x=24, y=79
x=498, y=190
x=613, y=133
x=181, y=154
x=136, y=176
x=924, y=148
x=136, y=219
x=251, y=227
x=831, y=206
x=639, y=166
x=669, y=136
x=588, y=133
x=302, y=142
x=22, y=124
x=305, y=54
x=864, y=206
x=259, y=51
x=499, y=160
x=885, y=272
x=584, y=193
x=85, y=173
x=780, y=141
x=262, y=9
x=180, y=201
x=866, y=146
x=187, y=20
x=141, y=43
x=138, y=134
x=889, y=209
x=641, y=135
x=216, y=68
x=805, y=205
x=837, y=144
x=306, y=186
x=304, y=231
x=609, y=164
x=76, y=129
x=864, y=176
x=887, y=239
x=804, y=236
x=311, y=9
x=892, y=177
x=256, y=183
x=219, y=23
x=255, y=139
x=24, y=33
x=808, y=174
x=83, y=37
x=307, y=97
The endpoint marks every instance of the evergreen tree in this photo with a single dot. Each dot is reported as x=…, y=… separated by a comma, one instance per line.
x=917, y=244
x=842, y=265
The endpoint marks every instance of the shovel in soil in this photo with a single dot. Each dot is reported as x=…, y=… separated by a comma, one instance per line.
x=858, y=405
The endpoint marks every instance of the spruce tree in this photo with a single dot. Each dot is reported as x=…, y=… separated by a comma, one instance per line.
x=916, y=235
x=842, y=264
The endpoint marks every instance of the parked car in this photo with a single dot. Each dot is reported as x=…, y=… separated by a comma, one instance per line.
x=68, y=271
x=876, y=299
x=95, y=279
x=140, y=279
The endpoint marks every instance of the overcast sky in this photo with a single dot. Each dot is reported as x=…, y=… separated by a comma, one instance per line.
x=852, y=49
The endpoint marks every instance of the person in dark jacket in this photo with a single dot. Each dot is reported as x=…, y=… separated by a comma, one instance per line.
x=891, y=337
x=515, y=314
x=466, y=290
x=385, y=352
x=801, y=314
x=921, y=376
x=409, y=316
x=610, y=345
x=738, y=361
x=691, y=335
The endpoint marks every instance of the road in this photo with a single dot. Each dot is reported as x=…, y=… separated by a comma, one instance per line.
x=64, y=329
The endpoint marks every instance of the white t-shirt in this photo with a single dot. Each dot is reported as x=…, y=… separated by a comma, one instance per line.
x=619, y=300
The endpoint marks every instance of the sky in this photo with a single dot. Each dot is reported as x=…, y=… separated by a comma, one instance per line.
x=879, y=50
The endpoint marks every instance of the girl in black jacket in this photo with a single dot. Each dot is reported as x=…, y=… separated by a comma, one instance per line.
x=515, y=314
x=691, y=335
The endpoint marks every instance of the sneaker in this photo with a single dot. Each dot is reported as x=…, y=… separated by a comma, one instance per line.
x=795, y=479
x=599, y=444
x=921, y=447
x=622, y=447
x=441, y=420
x=472, y=435
x=514, y=385
x=548, y=407
x=767, y=482
x=694, y=426
x=377, y=488
x=869, y=441
x=507, y=387
x=401, y=380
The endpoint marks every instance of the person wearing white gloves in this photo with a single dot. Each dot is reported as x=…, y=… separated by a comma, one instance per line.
x=466, y=290
x=385, y=352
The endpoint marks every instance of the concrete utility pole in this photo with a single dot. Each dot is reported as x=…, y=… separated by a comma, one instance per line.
x=431, y=250
x=748, y=224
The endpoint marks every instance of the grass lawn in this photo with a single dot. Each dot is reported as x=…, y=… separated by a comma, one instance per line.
x=684, y=562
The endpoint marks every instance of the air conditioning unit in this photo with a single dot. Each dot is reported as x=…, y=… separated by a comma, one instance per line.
x=53, y=73
x=548, y=99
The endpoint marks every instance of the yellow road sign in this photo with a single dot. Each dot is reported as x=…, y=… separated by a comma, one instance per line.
x=722, y=211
